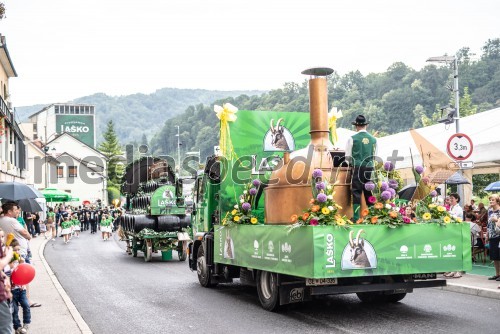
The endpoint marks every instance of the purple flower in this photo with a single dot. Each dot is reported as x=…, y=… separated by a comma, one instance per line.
x=372, y=199
x=246, y=206
x=369, y=186
x=320, y=185
x=317, y=173
x=386, y=195
x=433, y=193
x=419, y=169
x=388, y=166
x=321, y=198
x=384, y=186
x=256, y=182
x=393, y=184
x=392, y=191
x=313, y=222
x=252, y=191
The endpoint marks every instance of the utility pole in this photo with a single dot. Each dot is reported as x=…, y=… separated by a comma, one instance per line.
x=178, y=151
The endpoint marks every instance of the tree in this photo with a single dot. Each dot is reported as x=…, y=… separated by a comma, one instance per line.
x=111, y=149
x=466, y=106
x=2, y=10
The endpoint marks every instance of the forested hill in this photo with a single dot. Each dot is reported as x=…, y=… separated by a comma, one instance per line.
x=396, y=100
x=139, y=114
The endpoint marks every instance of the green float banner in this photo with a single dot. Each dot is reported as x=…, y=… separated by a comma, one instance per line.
x=79, y=126
x=163, y=201
x=329, y=251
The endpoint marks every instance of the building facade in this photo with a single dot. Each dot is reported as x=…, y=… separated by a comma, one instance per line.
x=13, y=156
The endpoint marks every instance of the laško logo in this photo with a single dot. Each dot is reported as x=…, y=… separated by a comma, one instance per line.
x=75, y=129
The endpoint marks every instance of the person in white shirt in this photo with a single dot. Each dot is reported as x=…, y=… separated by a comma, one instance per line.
x=455, y=209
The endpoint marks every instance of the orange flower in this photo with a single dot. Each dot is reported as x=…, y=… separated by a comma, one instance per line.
x=393, y=214
x=311, y=201
x=364, y=213
x=359, y=221
x=305, y=216
x=294, y=218
x=379, y=205
x=315, y=208
x=374, y=219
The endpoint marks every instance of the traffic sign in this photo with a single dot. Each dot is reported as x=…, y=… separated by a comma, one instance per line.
x=459, y=146
x=456, y=165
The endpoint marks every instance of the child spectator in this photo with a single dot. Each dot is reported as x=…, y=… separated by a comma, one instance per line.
x=66, y=229
x=105, y=227
x=19, y=296
x=76, y=225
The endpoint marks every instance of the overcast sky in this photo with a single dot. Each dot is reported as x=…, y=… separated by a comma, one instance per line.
x=64, y=49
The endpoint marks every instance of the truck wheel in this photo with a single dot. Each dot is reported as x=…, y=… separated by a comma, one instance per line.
x=395, y=297
x=372, y=297
x=181, y=250
x=148, y=252
x=204, y=274
x=267, y=289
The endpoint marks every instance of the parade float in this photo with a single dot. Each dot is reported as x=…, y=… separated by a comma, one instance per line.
x=155, y=218
x=274, y=209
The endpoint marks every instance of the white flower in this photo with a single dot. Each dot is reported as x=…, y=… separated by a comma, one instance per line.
x=242, y=200
x=388, y=206
x=330, y=197
x=329, y=187
x=236, y=206
x=245, y=192
x=330, y=208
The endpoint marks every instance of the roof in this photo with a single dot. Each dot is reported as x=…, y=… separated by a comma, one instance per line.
x=5, y=59
x=78, y=140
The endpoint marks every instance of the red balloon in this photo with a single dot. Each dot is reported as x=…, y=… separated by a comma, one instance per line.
x=23, y=274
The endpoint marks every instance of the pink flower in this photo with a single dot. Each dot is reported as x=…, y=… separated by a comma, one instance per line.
x=372, y=199
x=406, y=220
x=313, y=222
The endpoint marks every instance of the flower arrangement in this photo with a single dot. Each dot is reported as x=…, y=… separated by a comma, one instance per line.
x=323, y=209
x=428, y=211
x=242, y=211
x=382, y=209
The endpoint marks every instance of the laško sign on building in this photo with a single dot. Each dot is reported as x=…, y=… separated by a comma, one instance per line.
x=79, y=126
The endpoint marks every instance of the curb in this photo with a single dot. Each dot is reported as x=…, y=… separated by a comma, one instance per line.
x=77, y=317
x=471, y=290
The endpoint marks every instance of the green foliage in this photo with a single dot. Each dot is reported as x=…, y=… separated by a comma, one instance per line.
x=111, y=149
x=2, y=10
x=480, y=181
x=113, y=193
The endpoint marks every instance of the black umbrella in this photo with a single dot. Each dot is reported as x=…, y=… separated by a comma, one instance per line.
x=16, y=191
x=407, y=192
x=26, y=204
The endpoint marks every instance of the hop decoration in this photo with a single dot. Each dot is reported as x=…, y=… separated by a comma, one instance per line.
x=242, y=211
x=323, y=209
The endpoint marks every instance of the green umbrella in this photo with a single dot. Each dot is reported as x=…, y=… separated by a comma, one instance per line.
x=55, y=195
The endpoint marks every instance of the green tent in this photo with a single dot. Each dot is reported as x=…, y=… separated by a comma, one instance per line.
x=55, y=195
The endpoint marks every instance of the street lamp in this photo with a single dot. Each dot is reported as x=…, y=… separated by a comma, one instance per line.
x=448, y=60
x=178, y=135
x=46, y=149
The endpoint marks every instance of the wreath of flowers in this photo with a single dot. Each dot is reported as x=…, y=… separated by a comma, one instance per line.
x=242, y=211
x=323, y=209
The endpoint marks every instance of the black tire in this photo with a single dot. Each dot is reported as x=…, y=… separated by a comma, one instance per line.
x=204, y=274
x=181, y=251
x=268, y=291
x=395, y=297
x=379, y=297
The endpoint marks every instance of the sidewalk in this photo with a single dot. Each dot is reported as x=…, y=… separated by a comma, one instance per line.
x=57, y=313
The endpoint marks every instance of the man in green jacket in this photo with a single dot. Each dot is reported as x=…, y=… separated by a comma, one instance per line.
x=360, y=153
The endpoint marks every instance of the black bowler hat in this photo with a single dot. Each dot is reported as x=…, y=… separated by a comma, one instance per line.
x=360, y=120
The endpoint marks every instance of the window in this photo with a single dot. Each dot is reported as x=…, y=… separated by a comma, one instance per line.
x=60, y=173
x=72, y=171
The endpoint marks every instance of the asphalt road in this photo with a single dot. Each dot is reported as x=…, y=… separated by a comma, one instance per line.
x=116, y=293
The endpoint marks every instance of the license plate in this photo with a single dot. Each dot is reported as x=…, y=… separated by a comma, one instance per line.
x=424, y=276
x=321, y=281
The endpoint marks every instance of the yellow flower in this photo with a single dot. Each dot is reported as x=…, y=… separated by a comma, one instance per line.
x=236, y=218
x=338, y=206
x=447, y=219
x=340, y=221
x=458, y=219
x=431, y=206
x=325, y=210
x=441, y=208
x=234, y=212
x=253, y=220
x=426, y=216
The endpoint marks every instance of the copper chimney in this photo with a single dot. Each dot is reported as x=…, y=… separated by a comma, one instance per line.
x=290, y=191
